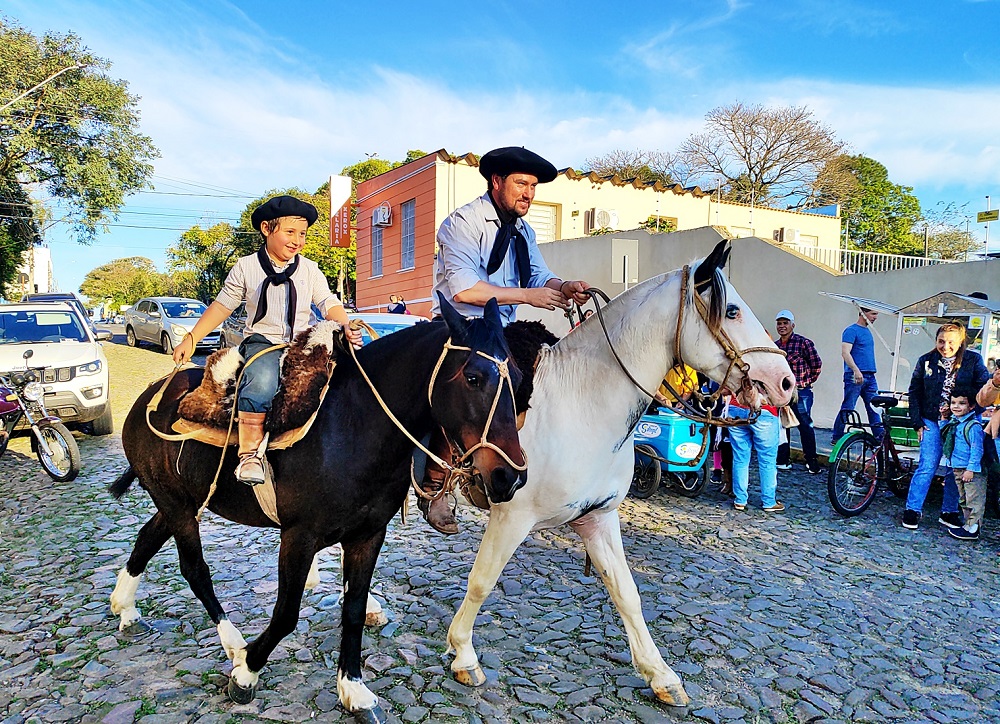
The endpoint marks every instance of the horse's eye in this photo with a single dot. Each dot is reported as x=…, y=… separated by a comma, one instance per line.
x=732, y=311
x=473, y=379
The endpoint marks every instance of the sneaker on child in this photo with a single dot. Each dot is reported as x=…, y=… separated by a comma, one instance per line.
x=952, y=520
x=911, y=519
x=964, y=533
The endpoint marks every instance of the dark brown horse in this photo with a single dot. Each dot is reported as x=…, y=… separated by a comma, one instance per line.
x=342, y=483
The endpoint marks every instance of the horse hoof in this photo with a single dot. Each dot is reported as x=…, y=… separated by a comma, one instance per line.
x=240, y=694
x=673, y=695
x=374, y=715
x=137, y=629
x=471, y=677
x=376, y=619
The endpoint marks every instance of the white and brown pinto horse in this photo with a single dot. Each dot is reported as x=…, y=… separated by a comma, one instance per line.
x=578, y=435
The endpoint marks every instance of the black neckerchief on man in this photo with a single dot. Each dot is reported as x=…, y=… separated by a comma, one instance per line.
x=508, y=230
x=282, y=278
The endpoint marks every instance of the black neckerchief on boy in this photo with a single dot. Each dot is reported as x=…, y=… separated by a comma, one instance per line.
x=283, y=278
x=508, y=231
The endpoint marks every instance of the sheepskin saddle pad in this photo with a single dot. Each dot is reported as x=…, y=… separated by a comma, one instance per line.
x=525, y=341
x=305, y=368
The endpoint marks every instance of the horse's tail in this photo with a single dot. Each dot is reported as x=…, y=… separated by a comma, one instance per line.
x=122, y=483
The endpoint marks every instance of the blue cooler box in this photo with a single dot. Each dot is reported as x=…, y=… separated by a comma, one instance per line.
x=675, y=438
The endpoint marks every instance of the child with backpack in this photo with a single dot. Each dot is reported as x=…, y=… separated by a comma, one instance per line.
x=962, y=445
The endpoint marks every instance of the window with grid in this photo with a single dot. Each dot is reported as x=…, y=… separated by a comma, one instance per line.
x=407, y=212
x=376, y=251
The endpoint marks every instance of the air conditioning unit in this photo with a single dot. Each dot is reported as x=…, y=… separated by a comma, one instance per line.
x=596, y=219
x=382, y=215
x=789, y=236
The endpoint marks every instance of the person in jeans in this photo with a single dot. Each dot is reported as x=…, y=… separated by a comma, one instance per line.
x=962, y=440
x=857, y=347
x=806, y=366
x=946, y=367
x=763, y=436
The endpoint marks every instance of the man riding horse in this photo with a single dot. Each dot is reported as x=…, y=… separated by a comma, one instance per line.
x=487, y=250
x=273, y=315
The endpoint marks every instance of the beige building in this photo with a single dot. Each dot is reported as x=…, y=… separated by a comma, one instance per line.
x=399, y=213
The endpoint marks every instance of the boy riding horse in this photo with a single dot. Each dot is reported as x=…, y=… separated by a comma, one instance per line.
x=279, y=285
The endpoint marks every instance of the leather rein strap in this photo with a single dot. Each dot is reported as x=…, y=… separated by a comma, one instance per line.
x=704, y=413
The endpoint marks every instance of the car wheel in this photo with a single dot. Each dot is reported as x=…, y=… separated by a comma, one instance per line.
x=166, y=344
x=130, y=337
x=104, y=424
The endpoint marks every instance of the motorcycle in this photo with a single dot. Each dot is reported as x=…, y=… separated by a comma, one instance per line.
x=22, y=395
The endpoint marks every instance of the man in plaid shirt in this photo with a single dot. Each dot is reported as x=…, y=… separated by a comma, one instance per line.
x=806, y=366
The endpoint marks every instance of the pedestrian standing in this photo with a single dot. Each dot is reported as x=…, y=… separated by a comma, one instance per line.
x=962, y=440
x=762, y=436
x=806, y=365
x=857, y=347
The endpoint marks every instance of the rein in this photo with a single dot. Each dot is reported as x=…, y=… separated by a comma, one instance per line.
x=462, y=468
x=703, y=413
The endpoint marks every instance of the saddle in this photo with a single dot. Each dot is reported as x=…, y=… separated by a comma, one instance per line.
x=306, y=365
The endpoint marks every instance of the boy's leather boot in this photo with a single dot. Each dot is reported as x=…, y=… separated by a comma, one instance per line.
x=251, y=467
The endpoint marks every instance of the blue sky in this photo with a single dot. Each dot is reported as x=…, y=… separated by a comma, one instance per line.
x=242, y=97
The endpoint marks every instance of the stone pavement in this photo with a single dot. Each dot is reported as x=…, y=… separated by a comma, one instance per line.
x=801, y=616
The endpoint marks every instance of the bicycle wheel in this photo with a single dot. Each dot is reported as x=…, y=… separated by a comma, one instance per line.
x=853, y=476
x=646, y=477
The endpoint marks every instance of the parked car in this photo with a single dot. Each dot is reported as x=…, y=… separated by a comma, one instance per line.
x=164, y=321
x=233, y=329
x=68, y=297
x=75, y=378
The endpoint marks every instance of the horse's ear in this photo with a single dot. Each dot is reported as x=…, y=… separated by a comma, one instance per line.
x=716, y=260
x=457, y=324
x=491, y=313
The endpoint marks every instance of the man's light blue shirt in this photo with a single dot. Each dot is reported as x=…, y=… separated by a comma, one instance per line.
x=465, y=240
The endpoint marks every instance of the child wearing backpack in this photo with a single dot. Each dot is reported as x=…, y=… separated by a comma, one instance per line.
x=962, y=444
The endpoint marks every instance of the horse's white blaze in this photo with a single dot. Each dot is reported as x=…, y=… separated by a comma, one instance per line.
x=353, y=693
x=232, y=640
x=313, y=580
x=241, y=672
x=123, y=599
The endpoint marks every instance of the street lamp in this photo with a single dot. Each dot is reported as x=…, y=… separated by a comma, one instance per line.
x=11, y=102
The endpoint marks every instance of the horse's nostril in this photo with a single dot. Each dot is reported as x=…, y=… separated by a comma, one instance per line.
x=787, y=383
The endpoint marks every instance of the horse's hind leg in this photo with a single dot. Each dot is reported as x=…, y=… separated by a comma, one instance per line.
x=601, y=533
x=150, y=540
x=196, y=572
x=374, y=616
x=294, y=559
x=359, y=564
x=504, y=533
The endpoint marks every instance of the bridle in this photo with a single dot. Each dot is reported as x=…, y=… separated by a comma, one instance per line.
x=704, y=411
x=460, y=470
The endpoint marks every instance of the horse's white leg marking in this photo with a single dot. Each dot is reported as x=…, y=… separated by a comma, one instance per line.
x=123, y=599
x=504, y=533
x=601, y=533
x=312, y=580
x=354, y=695
x=232, y=640
x=244, y=677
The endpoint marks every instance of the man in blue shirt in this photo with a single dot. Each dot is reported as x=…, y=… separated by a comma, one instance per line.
x=857, y=347
x=487, y=250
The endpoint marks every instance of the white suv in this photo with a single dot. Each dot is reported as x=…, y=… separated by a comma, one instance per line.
x=76, y=374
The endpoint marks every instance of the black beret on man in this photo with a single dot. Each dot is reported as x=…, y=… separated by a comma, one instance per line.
x=279, y=207
x=515, y=159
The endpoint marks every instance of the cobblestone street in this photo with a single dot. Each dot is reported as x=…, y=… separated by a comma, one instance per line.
x=799, y=617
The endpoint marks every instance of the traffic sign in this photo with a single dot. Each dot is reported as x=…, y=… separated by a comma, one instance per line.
x=983, y=216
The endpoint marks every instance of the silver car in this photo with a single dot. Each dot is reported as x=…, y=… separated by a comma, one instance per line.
x=164, y=321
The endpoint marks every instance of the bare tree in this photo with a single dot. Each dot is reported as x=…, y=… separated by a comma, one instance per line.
x=647, y=166
x=762, y=155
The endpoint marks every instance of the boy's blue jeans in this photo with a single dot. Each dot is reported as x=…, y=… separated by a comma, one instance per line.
x=930, y=456
x=260, y=379
x=762, y=436
x=852, y=391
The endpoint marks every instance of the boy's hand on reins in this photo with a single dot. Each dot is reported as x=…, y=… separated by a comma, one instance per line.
x=353, y=336
x=183, y=351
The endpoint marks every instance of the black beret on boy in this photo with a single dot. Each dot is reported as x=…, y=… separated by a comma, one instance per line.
x=515, y=159
x=281, y=206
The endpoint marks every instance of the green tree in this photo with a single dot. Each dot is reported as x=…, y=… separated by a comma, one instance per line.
x=124, y=281
x=75, y=137
x=879, y=215
x=200, y=261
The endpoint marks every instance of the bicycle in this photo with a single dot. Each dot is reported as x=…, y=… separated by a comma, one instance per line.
x=858, y=462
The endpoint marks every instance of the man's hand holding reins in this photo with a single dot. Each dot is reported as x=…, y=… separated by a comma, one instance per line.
x=575, y=291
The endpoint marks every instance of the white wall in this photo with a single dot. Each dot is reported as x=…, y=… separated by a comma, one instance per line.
x=770, y=279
